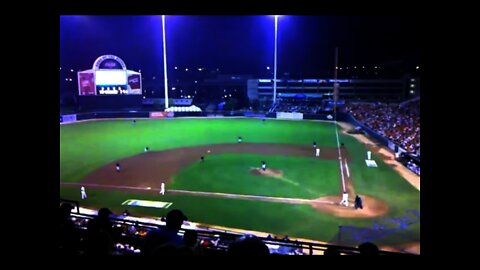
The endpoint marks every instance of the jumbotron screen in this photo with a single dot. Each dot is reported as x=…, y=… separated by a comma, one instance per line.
x=110, y=77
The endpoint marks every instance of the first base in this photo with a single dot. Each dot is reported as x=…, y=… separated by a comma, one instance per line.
x=371, y=163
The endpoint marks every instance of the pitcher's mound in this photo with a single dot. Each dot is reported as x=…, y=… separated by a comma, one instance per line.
x=267, y=172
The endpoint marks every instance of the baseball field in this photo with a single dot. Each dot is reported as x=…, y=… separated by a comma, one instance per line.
x=297, y=195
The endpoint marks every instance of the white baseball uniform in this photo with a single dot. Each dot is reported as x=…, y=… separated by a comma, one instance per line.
x=344, y=199
x=162, y=189
x=264, y=166
x=369, y=155
x=317, y=152
x=84, y=193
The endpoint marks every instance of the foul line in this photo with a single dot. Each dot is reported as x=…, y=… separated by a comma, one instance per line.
x=210, y=194
x=346, y=167
x=339, y=154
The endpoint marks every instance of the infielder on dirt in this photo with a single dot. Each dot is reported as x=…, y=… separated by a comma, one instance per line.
x=162, y=189
x=264, y=165
x=84, y=193
x=117, y=167
x=239, y=139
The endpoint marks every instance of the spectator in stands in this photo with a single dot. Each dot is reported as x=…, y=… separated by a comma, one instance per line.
x=101, y=221
x=101, y=235
x=368, y=248
x=399, y=124
x=248, y=245
x=167, y=235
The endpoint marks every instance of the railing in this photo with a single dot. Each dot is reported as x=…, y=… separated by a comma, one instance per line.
x=225, y=238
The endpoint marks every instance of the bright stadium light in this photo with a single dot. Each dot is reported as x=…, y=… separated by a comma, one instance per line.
x=275, y=63
x=165, y=61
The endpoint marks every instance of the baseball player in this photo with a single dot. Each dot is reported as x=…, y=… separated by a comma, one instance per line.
x=314, y=144
x=344, y=199
x=134, y=121
x=317, y=152
x=264, y=165
x=358, y=202
x=84, y=193
x=239, y=139
x=202, y=158
x=369, y=155
x=146, y=149
x=162, y=189
x=117, y=166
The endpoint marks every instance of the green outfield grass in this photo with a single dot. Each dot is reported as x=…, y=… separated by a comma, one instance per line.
x=302, y=177
x=87, y=146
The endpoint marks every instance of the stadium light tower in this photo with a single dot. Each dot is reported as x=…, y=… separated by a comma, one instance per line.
x=275, y=63
x=165, y=62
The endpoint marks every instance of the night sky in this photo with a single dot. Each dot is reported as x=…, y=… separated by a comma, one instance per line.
x=240, y=44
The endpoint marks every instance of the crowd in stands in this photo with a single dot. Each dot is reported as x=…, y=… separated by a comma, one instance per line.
x=400, y=124
x=300, y=106
x=103, y=237
x=413, y=167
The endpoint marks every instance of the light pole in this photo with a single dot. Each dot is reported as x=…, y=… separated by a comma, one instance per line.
x=275, y=63
x=165, y=62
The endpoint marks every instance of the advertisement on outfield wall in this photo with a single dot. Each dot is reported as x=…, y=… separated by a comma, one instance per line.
x=68, y=118
x=291, y=116
x=86, y=84
x=161, y=114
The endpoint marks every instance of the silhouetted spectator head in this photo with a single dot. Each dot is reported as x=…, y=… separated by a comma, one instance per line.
x=248, y=245
x=175, y=219
x=65, y=210
x=331, y=251
x=368, y=248
x=104, y=213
